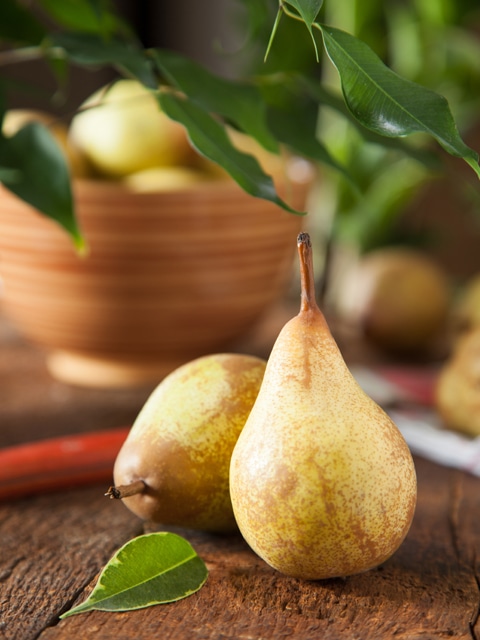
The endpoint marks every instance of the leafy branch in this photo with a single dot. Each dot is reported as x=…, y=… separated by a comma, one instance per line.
x=377, y=97
x=284, y=113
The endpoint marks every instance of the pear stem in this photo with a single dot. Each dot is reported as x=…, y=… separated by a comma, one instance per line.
x=307, y=277
x=126, y=490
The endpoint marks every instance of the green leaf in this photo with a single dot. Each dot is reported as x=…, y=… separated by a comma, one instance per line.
x=388, y=104
x=17, y=24
x=91, y=49
x=9, y=175
x=325, y=98
x=151, y=569
x=238, y=102
x=296, y=129
x=93, y=16
x=210, y=139
x=35, y=169
x=308, y=10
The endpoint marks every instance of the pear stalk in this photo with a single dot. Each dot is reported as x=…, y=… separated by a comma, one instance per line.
x=307, y=278
x=126, y=490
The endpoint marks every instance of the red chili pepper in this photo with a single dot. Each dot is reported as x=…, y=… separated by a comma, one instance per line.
x=59, y=463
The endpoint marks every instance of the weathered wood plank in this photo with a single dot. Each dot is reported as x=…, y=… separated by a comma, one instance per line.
x=465, y=514
x=428, y=589
x=51, y=548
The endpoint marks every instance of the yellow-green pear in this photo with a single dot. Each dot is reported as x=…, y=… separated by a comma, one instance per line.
x=121, y=129
x=457, y=389
x=399, y=298
x=466, y=307
x=173, y=466
x=321, y=480
x=158, y=179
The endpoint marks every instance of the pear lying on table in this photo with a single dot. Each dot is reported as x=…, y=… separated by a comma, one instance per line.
x=173, y=467
x=321, y=480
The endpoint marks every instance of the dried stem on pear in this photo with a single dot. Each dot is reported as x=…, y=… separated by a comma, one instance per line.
x=307, y=278
x=126, y=490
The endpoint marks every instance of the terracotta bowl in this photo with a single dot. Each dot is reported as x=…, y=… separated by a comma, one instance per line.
x=169, y=276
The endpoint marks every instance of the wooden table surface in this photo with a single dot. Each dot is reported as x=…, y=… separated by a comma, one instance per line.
x=53, y=546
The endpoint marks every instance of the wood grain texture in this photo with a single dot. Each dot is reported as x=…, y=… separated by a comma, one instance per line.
x=52, y=548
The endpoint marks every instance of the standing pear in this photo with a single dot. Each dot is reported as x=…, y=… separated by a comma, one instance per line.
x=321, y=480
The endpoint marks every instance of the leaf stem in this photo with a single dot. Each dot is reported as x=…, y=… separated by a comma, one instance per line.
x=274, y=30
x=126, y=490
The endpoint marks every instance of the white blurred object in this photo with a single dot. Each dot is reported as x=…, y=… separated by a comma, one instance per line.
x=384, y=392
x=425, y=436
x=420, y=425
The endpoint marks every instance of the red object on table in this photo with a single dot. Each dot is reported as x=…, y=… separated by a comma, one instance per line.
x=76, y=460
x=59, y=463
x=418, y=384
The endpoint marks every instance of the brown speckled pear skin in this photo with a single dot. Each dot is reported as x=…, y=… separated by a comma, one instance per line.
x=181, y=442
x=322, y=482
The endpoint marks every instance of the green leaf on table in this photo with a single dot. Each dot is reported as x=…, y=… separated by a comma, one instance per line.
x=91, y=49
x=151, y=569
x=388, y=104
x=238, y=102
x=210, y=139
x=35, y=169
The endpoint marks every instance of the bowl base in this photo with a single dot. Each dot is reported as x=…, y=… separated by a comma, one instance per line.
x=101, y=372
